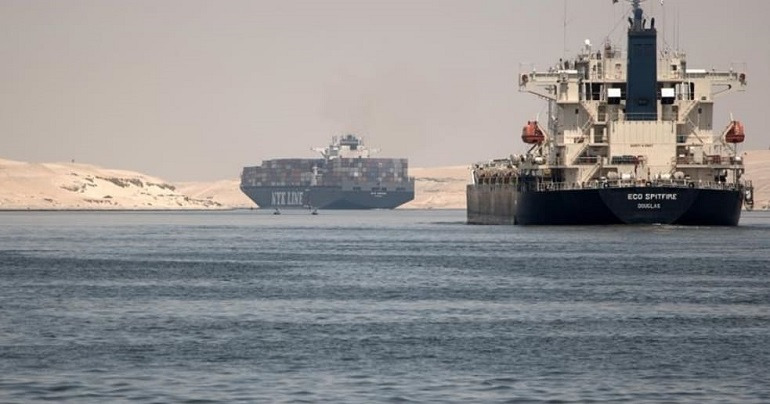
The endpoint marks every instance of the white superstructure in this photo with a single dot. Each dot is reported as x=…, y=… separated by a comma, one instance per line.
x=349, y=146
x=591, y=135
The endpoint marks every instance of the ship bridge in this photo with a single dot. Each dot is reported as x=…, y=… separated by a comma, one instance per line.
x=349, y=146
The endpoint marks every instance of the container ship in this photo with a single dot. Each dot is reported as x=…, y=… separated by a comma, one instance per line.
x=345, y=177
x=628, y=140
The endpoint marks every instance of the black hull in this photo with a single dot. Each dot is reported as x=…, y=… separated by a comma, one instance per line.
x=325, y=197
x=504, y=204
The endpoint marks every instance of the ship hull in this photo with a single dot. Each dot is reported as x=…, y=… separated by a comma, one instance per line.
x=324, y=197
x=678, y=205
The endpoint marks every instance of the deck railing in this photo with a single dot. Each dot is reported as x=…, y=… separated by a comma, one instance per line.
x=506, y=182
x=560, y=186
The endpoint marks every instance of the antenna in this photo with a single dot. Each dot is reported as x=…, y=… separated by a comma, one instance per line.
x=663, y=28
x=564, y=32
x=678, y=29
x=675, y=28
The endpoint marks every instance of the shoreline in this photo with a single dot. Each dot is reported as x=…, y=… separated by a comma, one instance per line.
x=212, y=210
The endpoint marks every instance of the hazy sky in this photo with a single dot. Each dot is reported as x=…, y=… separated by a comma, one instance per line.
x=194, y=90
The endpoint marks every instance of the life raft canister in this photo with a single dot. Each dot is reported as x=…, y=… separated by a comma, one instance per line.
x=532, y=134
x=735, y=132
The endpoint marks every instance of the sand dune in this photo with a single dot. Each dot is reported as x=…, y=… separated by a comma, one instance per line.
x=439, y=187
x=82, y=186
x=227, y=193
x=757, y=163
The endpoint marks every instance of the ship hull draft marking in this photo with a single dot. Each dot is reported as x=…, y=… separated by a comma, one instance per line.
x=629, y=139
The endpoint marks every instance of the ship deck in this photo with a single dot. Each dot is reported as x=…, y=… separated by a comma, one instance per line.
x=564, y=186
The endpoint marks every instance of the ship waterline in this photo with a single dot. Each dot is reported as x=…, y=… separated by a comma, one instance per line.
x=325, y=197
x=653, y=203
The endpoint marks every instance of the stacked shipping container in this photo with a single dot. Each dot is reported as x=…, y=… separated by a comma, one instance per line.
x=348, y=173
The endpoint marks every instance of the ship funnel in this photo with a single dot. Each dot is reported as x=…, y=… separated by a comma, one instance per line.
x=642, y=74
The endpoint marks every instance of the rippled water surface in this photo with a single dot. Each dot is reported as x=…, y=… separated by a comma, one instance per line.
x=383, y=306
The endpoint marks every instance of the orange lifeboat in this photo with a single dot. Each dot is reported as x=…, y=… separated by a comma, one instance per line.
x=734, y=132
x=532, y=134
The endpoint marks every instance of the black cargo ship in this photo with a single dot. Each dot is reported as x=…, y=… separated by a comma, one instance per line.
x=346, y=177
x=629, y=139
